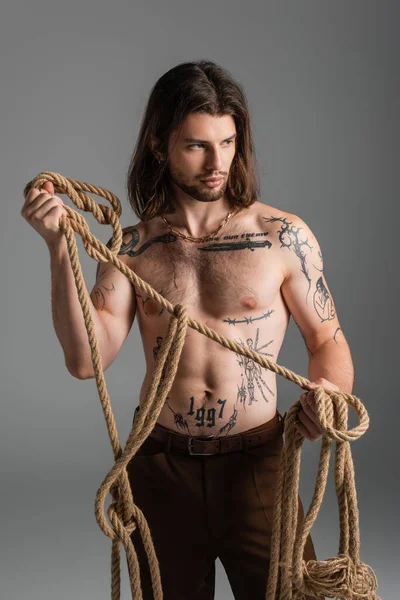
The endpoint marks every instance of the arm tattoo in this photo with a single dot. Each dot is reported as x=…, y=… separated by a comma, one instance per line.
x=323, y=303
x=336, y=332
x=289, y=238
x=99, y=292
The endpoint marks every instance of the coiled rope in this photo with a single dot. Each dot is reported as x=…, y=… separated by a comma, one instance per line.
x=343, y=576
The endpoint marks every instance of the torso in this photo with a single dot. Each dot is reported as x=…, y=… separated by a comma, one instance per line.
x=232, y=285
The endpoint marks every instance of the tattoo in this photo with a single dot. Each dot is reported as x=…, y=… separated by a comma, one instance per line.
x=161, y=309
x=289, y=238
x=305, y=342
x=128, y=247
x=323, y=303
x=248, y=320
x=156, y=348
x=251, y=372
x=239, y=245
x=205, y=417
x=98, y=292
x=302, y=335
x=99, y=264
x=336, y=332
x=322, y=262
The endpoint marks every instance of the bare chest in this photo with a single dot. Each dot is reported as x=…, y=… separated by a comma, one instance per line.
x=238, y=271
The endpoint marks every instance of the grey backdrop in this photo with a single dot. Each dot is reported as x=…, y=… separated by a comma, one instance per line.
x=322, y=80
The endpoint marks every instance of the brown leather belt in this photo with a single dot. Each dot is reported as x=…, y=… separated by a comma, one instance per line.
x=203, y=445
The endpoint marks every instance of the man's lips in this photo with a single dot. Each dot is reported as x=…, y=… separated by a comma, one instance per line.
x=214, y=182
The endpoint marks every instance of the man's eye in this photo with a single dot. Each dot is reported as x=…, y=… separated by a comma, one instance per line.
x=193, y=145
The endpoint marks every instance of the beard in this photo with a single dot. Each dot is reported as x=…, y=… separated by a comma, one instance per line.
x=197, y=192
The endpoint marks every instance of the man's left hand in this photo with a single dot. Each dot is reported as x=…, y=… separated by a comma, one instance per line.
x=307, y=421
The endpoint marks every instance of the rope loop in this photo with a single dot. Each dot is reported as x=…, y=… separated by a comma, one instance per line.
x=344, y=577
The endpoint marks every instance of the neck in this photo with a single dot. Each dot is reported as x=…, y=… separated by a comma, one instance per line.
x=197, y=218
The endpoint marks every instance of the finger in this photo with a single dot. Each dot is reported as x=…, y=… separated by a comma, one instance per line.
x=303, y=430
x=310, y=425
x=36, y=203
x=309, y=411
x=306, y=404
x=31, y=196
x=49, y=187
x=37, y=199
x=44, y=208
x=310, y=400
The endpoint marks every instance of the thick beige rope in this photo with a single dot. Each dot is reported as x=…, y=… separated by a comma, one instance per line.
x=343, y=576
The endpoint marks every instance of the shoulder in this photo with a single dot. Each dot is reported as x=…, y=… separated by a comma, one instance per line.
x=272, y=215
x=128, y=232
x=292, y=236
x=288, y=226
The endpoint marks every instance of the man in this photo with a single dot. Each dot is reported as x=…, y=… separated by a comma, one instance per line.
x=205, y=477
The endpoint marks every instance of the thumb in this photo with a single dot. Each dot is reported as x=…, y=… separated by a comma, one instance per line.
x=49, y=187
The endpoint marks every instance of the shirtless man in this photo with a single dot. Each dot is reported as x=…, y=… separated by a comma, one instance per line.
x=244, y=281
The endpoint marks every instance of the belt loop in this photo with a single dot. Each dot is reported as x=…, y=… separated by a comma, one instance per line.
x=282, y=418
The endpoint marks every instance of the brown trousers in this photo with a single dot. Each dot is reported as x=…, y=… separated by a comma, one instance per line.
x=200, y=508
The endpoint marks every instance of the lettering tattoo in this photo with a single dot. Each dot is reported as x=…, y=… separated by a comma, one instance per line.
x=205, y=417
x=323, y=302
x=252, y=372
x=289, y=238
x=243, y=242
x=248, y=320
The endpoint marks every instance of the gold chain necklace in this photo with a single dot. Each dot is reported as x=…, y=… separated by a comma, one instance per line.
x=190, y=238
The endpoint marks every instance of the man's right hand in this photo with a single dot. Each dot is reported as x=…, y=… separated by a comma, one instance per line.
x=42, y=210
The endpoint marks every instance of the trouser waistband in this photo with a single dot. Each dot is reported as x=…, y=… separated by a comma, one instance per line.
x=200, y=445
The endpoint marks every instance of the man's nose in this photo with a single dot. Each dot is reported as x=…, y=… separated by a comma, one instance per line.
x=214, y=160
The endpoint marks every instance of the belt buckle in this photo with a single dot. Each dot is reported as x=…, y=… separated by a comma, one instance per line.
x=190, y=446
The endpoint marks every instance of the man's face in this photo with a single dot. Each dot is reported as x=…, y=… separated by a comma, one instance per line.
x=203, y=147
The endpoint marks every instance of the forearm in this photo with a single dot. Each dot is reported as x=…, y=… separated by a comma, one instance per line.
x=67, y=313
x=333, y=362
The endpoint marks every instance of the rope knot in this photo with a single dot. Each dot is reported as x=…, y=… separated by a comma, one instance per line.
x=331, y=409
x=344, y=577
x=337, y=577
x=180, y=312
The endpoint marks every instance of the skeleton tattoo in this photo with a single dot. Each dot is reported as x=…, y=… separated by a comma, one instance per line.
x=252, y=373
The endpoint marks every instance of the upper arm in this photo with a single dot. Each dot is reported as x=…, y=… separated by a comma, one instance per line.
x=114, y=299
x=305, y=289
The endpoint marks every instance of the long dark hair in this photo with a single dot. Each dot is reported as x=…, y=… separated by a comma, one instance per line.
x=201, y=87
